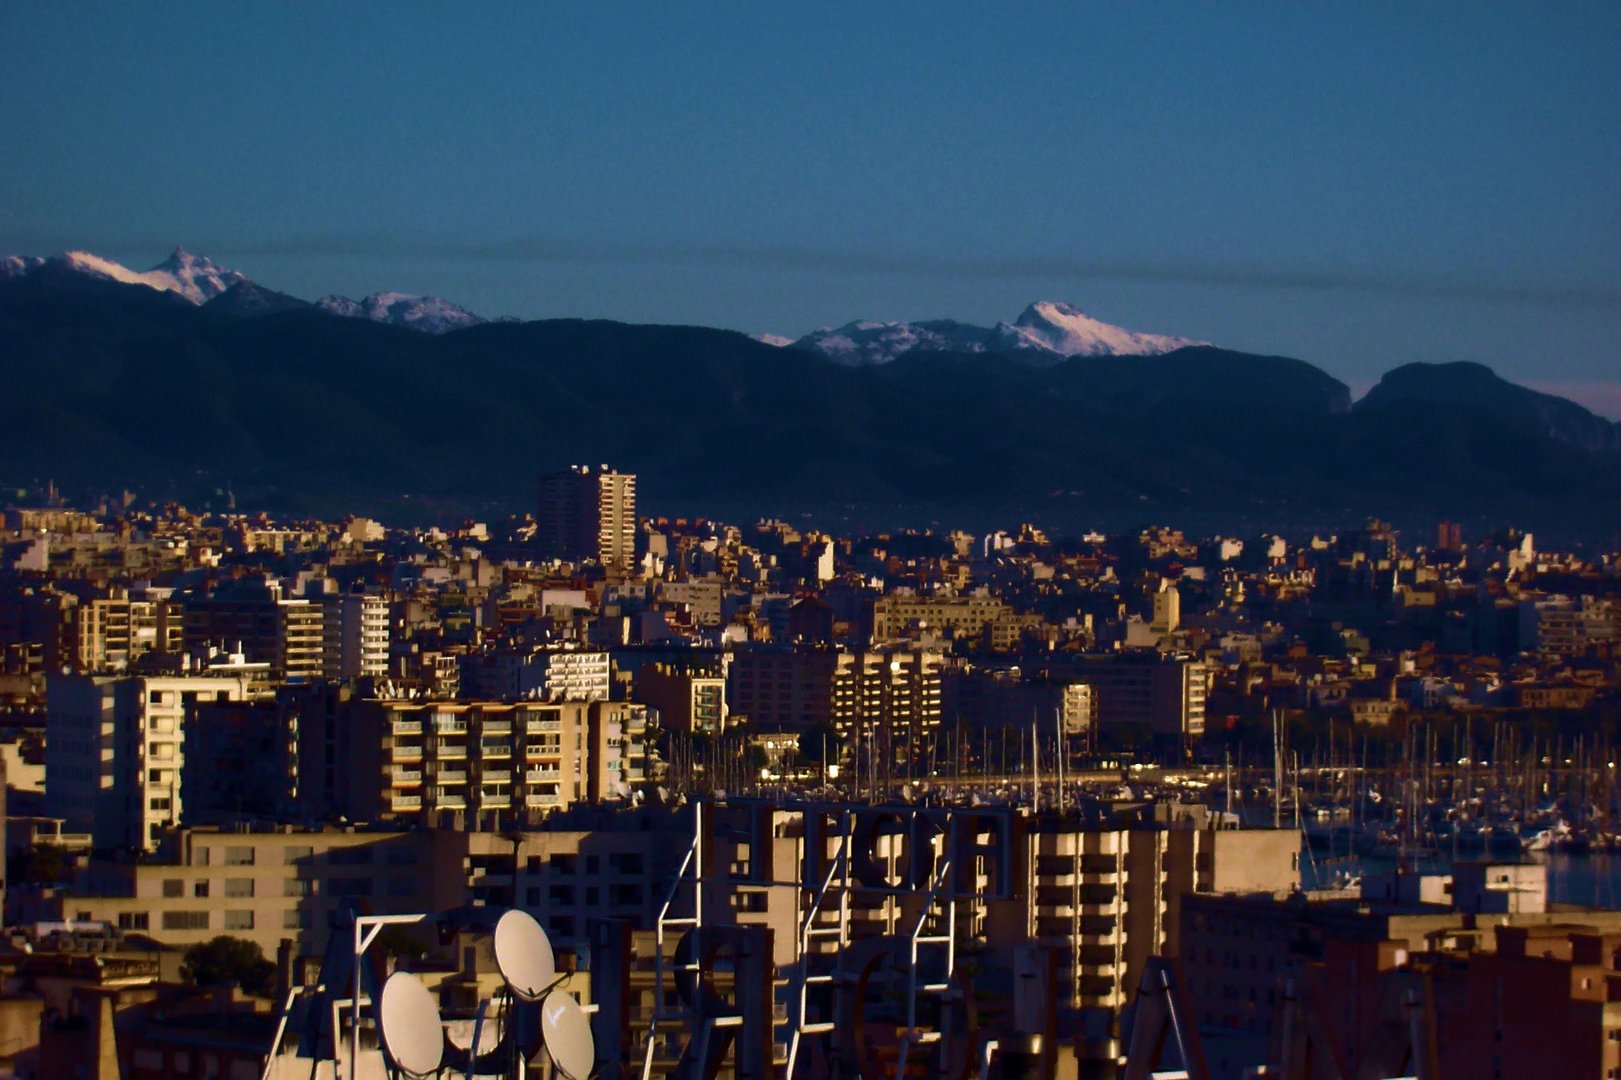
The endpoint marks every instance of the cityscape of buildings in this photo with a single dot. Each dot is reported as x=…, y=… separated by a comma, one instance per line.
x=931, y=793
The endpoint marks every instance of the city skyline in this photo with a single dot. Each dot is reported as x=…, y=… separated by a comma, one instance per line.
x=1357, y=189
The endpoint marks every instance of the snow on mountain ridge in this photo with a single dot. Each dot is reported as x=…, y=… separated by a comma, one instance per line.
x=429, y=314
x=199, y=280
x=191, y=276
x=1055, y=327
x=1047, y=331
x=867, y=342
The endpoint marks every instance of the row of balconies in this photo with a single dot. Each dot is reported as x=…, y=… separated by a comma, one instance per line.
x=444, y=799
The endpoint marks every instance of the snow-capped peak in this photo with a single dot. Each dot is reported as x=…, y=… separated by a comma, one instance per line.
x=1046, y=333
x=1068, y=331
x=196, y=278
x=868, y=342
x=184, y=274
x=426, y=313
x=773, y=339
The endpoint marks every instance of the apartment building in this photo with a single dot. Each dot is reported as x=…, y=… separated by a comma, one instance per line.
x=893, y=617
x=1242, y=953
x=254, y=618
x=587, y=512
x=1162, y=693
x=262, y=886
x=988, y=700
x=685, y=701
x=287, y=883
x=1555, y=626
x=115, y=751
x=109, y=633
x=1099, y=891
x=472, y=763
x=551, y=673
x=356, y=635
x=857, y=692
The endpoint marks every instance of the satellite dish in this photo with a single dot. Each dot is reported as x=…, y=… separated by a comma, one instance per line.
x=568, y=1035
x=412, y=1035
x=523, y=953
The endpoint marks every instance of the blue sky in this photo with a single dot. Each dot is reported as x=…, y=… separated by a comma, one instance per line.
x=1359, y=186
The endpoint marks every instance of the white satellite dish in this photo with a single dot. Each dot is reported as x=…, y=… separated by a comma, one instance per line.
x=567, y=1032
x=411, y=1031
x=523, y=953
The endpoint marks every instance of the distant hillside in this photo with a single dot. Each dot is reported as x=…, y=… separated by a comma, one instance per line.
x=117, y=384
x=1476, y=387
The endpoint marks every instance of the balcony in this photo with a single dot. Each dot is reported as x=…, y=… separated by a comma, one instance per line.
x=452, y=776
x=400, y=777
x=408, y=753
x=497, y=776
x=450, y=725
x=449, y=800
x=495, y=749
x=494, y=802
x=407, y=727
x=534, y=725
x=540, y=776
x=497, y=727
x=451, y=750
x=535, y=801
x=405, y=802
x=541, y=753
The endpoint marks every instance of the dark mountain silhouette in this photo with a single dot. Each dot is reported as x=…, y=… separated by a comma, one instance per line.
x=248, y=300
x=117, y=385
x=1476, y=387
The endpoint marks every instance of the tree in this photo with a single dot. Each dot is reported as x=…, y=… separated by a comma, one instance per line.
x=231, y=961
x=819, y=741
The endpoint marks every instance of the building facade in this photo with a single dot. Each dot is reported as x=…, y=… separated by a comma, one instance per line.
x=587, y=512
x=115, y=752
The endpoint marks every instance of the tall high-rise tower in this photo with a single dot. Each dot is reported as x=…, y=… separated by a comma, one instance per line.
x=587, y=512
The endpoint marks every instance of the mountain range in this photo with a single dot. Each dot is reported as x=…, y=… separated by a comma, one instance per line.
x=201, y=281
x=1047, y=332
x=188, y=379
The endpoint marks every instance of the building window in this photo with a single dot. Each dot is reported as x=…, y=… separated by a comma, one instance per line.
x=360, y=886
x=239, y=920
x=132, y=920
x=359, y=855
x=294, y=854
x=239, y=856
x=174, y=887
x=238, y=887
x=200, y=887
x=295, y=887
x=185, y=920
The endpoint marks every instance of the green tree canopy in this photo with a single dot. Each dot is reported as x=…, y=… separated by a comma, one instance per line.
x=227, y=960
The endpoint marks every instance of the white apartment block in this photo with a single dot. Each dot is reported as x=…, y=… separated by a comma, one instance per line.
x=115, y=748
x=549, y=674
x=356, y=636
